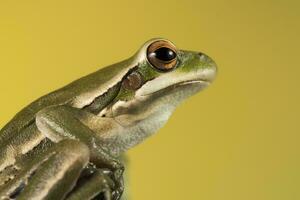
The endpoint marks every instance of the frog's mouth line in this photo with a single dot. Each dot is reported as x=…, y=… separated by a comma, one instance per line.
x=202, y=84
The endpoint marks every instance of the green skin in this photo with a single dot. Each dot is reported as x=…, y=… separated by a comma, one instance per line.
x=66, y=144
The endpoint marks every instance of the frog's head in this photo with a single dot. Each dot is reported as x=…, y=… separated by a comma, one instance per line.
x=160, y=77
x=163, y=68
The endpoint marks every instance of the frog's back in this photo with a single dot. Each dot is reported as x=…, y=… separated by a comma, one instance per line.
x=75, y=94
x=26, y=116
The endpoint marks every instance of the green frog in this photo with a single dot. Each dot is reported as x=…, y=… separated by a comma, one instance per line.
x=67, y=144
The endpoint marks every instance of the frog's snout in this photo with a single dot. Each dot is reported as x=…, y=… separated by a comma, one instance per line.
x=205, y=58
x=211, y=66
x=200, y=54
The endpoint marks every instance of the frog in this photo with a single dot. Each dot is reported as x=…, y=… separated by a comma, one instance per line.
x=67, y=144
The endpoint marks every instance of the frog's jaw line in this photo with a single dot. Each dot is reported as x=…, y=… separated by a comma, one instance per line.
x=202, y=83
x=175, y=78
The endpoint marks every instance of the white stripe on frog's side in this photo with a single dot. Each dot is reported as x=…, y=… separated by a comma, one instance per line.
x=88, y=97
x=127, y=65
x=124, y=67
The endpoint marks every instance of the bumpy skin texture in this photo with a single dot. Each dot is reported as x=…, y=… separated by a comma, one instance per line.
x=66, y=144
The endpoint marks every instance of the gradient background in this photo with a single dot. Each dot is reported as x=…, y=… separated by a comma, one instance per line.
x=237, y=140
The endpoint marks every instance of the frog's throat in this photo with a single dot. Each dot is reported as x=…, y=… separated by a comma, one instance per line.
x=145, y=115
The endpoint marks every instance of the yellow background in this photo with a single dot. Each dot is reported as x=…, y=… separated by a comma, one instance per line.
x=237, y=140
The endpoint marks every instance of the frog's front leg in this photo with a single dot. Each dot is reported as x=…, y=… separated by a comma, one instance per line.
x=65, y=122
x=50, y=174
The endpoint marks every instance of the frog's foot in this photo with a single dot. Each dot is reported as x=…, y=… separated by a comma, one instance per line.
x=93, y=184
x=117, y=177
x=49, y=175
x=96, y=184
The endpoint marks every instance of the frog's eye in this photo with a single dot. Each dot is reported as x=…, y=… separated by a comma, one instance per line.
x=162, y=55
x=133, y=81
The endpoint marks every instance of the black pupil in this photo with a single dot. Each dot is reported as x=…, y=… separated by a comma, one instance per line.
x=165, y=54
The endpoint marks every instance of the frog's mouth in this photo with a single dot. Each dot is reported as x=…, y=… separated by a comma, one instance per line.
x=201, y=84
x=175, y=80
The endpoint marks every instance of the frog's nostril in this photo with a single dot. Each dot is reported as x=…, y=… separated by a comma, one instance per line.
x=202, y=56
